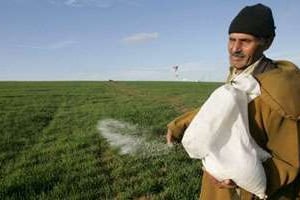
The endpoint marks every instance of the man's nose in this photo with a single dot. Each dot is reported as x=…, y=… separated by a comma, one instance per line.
x=236, y=46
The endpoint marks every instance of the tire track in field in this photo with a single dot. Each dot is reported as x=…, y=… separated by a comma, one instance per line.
x=120, y=88
x=106, y=167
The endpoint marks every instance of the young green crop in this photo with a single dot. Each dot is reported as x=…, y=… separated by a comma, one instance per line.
x=50, y=147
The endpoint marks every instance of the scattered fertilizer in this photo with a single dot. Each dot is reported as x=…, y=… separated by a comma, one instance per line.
x=130, y=139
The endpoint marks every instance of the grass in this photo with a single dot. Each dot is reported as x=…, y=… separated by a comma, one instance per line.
x=50, y=147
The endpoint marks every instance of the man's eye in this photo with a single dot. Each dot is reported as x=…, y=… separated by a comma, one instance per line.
x=247, y=41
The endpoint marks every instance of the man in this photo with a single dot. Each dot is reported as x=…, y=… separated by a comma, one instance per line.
x=274, y=116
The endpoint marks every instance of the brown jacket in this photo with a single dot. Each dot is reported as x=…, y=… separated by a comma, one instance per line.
x=274, y=121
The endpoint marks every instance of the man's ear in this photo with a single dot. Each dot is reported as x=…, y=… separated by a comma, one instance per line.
x=267, y=42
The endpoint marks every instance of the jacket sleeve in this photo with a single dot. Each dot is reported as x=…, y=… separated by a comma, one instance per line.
x=179, y=124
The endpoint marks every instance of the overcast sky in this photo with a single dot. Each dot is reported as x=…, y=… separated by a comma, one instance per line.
x=129, y=39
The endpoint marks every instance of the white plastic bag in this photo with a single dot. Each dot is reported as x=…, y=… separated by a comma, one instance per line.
x=219, y=135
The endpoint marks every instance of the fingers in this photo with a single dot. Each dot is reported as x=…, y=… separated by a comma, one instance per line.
x=169, y=137
x=227, y=183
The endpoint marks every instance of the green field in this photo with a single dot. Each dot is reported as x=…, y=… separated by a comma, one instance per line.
x=50, y=147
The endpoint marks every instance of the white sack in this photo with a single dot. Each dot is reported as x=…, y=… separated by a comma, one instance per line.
x=219, y=135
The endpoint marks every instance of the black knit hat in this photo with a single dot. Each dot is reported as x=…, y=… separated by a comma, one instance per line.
x=256, y=20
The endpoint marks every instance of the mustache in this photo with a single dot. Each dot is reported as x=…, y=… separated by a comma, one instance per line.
x=238, y=54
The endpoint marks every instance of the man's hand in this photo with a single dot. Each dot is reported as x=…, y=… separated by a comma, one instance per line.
x=169, y=137
x=227, y=183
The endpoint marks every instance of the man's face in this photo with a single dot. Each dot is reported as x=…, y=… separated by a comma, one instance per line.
x=244, y=49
